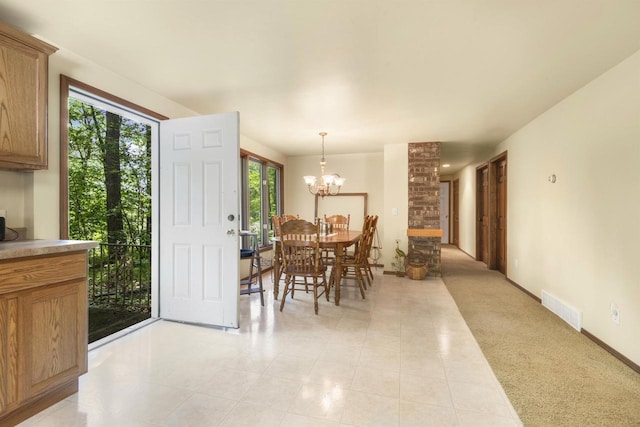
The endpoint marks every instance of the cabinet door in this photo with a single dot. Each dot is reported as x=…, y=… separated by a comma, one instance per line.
x=23, y=100
x=8, y=352
x=53, y=335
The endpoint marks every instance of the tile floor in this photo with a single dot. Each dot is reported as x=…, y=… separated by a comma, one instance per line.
x=402, y=357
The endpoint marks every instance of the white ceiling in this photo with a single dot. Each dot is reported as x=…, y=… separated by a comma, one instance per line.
x=467, y=73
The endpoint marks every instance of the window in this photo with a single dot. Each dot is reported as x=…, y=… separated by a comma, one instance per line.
x=261, y=195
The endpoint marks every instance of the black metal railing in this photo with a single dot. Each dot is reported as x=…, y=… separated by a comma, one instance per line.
x=120, y=277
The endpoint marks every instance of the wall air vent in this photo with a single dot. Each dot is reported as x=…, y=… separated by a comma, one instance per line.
x=567, y=313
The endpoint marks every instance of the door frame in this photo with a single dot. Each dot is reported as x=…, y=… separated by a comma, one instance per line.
x=480, y=253
x=455, y=212
x=494, y=214
x=448, y=233
x=492, y=241
x=66, y=85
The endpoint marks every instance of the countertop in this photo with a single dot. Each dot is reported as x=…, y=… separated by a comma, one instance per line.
x=27, y=248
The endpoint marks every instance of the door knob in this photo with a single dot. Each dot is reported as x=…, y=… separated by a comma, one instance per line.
x=231, y=217
x=231, y=231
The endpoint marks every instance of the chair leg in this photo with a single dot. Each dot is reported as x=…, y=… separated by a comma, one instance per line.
x=327, y=287
x=369, y=272
x=287, y=281
x=315, y=294
x=364, y=282
x=366, y=275
x=360, y=280
x=332, y=282
x=260, y=287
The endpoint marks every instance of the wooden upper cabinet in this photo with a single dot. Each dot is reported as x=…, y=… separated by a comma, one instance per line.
x=23, y=99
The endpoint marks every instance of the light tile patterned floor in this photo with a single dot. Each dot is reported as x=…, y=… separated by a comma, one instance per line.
x=402, y=357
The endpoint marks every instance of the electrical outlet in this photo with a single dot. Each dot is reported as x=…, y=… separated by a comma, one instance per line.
x=615, y=313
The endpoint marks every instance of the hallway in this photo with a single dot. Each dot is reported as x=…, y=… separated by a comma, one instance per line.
x=553, y=374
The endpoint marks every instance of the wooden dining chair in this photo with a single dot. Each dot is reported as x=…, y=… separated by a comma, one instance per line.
x=373, y=222
x=353, y=265
x=338, y=221
x=359, y=260
x=300, y=252
x=277, y=220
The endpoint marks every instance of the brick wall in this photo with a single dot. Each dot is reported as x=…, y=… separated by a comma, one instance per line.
x=424, y=200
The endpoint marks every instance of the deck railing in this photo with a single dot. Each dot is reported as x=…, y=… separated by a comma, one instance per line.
x=120, y=277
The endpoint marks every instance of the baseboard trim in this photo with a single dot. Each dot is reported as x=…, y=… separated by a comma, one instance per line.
x=468, y=254
x=539, y=300
x=615, y=353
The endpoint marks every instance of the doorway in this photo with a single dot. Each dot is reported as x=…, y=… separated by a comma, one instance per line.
x=121, y=145
x=482, y=213
x=499, y=213
x=444, y=211
x=491, y=213
x=455, y=212
x=106, y=187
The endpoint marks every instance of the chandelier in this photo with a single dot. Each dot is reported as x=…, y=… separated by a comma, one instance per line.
x=329, y=185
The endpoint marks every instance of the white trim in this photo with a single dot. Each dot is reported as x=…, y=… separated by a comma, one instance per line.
x=111, y=106
x=121, y=333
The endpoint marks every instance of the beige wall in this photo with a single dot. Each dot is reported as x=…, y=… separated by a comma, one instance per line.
x=468, y=209
x=578, y=238
x=255, y=147
x=396, y=196
x=12, y=197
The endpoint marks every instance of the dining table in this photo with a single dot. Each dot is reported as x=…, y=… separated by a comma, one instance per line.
x=339, y=240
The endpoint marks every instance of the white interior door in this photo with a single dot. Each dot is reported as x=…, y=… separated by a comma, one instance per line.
x=444, y=211
x=199, y=206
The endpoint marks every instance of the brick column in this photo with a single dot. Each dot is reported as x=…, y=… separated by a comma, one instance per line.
x=424, y=200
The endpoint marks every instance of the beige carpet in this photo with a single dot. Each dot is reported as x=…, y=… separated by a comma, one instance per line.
x=553, y=375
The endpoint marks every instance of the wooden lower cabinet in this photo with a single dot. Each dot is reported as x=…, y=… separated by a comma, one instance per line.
x=43, y=332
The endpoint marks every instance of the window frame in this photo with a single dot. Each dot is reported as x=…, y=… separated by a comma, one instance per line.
x=267, y=224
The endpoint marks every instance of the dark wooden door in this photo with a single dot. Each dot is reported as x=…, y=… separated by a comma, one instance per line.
x=500, y=166
x=482, y=202
x=455, y=214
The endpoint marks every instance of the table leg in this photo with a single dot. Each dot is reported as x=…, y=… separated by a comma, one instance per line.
x=338, y=272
